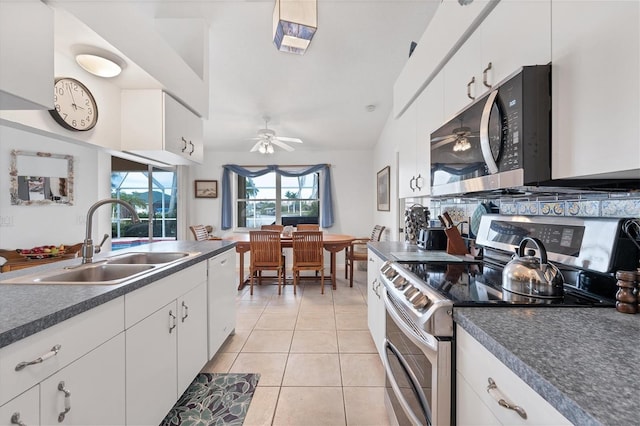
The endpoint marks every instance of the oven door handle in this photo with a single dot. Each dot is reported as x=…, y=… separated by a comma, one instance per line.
x=412, y=380
x=484, y=134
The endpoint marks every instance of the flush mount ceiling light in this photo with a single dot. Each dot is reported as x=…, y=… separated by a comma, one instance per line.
x=100, y=65
x=294, y=24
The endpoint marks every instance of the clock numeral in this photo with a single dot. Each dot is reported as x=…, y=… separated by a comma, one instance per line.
x=58, y=107
x=86, y=102
x=82, y=123
x=89, y=111
x=65, y=116
x=74, y=123
x=60, y=91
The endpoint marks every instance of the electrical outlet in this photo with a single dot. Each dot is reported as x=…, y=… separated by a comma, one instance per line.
x=6, y=221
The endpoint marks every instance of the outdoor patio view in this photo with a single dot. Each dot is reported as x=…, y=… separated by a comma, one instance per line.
x=272, y=198
x=157, y=205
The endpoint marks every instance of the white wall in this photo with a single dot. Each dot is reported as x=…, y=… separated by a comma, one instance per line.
x=353, y=179
x=29, y=226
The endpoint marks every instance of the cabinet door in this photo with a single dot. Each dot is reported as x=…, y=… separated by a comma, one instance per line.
x=470, y=410
x=23, y=408
x=192, y=335
x=516, y=33
x=175, y=138
x=595, y=86
x=151, y=359
x=460, y=76
x=429, y=117
x=221, y=296
x=375, y=302
x=95, y=383
x=406, y=134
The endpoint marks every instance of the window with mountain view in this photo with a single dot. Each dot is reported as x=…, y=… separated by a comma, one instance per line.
x=273, y=198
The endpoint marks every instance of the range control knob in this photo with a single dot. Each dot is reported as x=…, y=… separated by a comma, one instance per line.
x=390, y=273
x=420, y=302
x=399, y=282
x=410, y=292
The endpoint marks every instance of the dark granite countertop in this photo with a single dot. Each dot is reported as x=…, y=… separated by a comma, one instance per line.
x=583, y=361
x=27, y=309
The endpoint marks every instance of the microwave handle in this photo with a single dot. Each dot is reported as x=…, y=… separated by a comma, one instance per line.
x=484, y=134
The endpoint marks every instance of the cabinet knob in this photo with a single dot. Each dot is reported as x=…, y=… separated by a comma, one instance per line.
x=484, y=75
x=473, y=80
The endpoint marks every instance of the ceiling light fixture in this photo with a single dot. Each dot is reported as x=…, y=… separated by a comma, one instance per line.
x=294, y=24
x=100, y=65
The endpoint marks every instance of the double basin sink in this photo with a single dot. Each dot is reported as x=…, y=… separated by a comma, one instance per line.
x=113, y=270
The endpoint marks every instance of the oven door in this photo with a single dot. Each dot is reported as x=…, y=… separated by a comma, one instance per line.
x=418, y=372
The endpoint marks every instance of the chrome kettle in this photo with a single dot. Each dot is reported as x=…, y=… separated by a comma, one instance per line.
x=532, y=276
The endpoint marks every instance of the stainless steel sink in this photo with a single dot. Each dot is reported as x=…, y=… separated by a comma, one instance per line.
x=91, y=274
x=147, y=258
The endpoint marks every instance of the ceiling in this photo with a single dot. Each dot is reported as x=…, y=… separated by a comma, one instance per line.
x=322, y=96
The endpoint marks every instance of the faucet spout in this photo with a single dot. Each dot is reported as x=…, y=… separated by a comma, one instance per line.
x=88, y=248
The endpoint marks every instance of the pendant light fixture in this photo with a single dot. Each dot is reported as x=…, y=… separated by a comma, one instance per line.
x=294, y=24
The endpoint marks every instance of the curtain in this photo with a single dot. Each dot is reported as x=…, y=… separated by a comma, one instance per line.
x=326, y=204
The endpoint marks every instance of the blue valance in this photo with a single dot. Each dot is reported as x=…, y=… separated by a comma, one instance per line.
x=326, y=205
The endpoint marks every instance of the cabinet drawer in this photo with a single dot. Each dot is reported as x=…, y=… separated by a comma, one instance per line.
x=143, y=302
x=24, y=408
x=476, y=365
x=76, y=336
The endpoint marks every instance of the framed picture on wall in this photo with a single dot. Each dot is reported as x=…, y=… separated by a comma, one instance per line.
x=383, y=190
x=206, y=188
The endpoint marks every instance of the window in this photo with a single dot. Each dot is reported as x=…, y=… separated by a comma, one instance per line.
x=153, y=193
x=273, y=198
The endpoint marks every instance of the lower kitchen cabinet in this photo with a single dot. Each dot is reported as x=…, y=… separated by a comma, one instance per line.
x=92, y=388
x=222, y=291
x=375, y=302
x=476, y=368
x=166, y=339
x=23, y=408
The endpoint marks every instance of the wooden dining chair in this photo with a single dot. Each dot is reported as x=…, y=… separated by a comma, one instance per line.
x=266, y=255
x=357, y=251
x=308, y=255
x=199, y=232
x=308, y=227
x=274, y=227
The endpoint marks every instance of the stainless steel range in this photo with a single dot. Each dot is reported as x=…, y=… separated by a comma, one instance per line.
x=423, y=288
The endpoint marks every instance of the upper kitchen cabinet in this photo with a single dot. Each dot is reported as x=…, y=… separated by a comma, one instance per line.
x=156, y=126
x=424, y=116
x=514, y=34
x=595, y=87
x=449, y=27
x=26, y=55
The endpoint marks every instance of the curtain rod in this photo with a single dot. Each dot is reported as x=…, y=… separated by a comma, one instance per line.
x=288, y=165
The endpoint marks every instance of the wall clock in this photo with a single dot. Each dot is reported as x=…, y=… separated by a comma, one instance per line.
x=75, y=106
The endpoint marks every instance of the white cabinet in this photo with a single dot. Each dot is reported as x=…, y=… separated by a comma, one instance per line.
x=595, y=87
x=475, y=367
x=92, y=388
x=514, y=34
x=166, y=342
x=23, y=408
x=423, y=117
x=156, y=126
x=375, y=301
x=192, y=335
x=26, y=55
x=222, y=291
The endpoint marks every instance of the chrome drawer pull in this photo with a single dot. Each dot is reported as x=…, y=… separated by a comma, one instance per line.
x=15, y=420
x=184, y=148
x=172, y=321
x=67, y=402
x=473, y=80
x=53, y=352
x=185, y=311
x=493, y=390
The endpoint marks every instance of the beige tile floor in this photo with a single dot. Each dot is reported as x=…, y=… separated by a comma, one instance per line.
x=317, y=361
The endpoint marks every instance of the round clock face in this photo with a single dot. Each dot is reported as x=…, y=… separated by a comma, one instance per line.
x=75, y=107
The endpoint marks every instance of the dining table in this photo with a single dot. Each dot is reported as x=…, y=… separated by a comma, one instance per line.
x=333, y=243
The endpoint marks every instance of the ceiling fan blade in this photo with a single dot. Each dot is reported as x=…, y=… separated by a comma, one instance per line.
x=444, y=141
x=441, y=138
x=256, y=146
x=286, y=139
x=282, y=145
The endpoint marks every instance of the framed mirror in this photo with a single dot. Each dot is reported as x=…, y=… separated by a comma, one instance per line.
x=41, y=178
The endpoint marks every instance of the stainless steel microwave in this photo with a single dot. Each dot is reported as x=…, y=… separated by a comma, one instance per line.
x=501, y=141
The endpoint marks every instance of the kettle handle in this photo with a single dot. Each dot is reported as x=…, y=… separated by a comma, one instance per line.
x=542, y=252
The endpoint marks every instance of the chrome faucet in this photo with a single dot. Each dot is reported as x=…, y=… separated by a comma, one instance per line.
x=88, y=249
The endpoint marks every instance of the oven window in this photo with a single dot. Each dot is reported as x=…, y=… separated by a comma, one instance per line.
x=411, y=371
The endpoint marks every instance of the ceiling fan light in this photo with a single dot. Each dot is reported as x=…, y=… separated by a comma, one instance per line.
x=269, y=149
x=98, y=65
x=294, y=24
x=262, y=149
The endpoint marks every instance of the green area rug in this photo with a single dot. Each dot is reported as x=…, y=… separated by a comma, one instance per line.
x=214, y=399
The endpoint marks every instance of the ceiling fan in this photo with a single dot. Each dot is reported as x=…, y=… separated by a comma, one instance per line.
x=267, y=139
x=459, y=137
